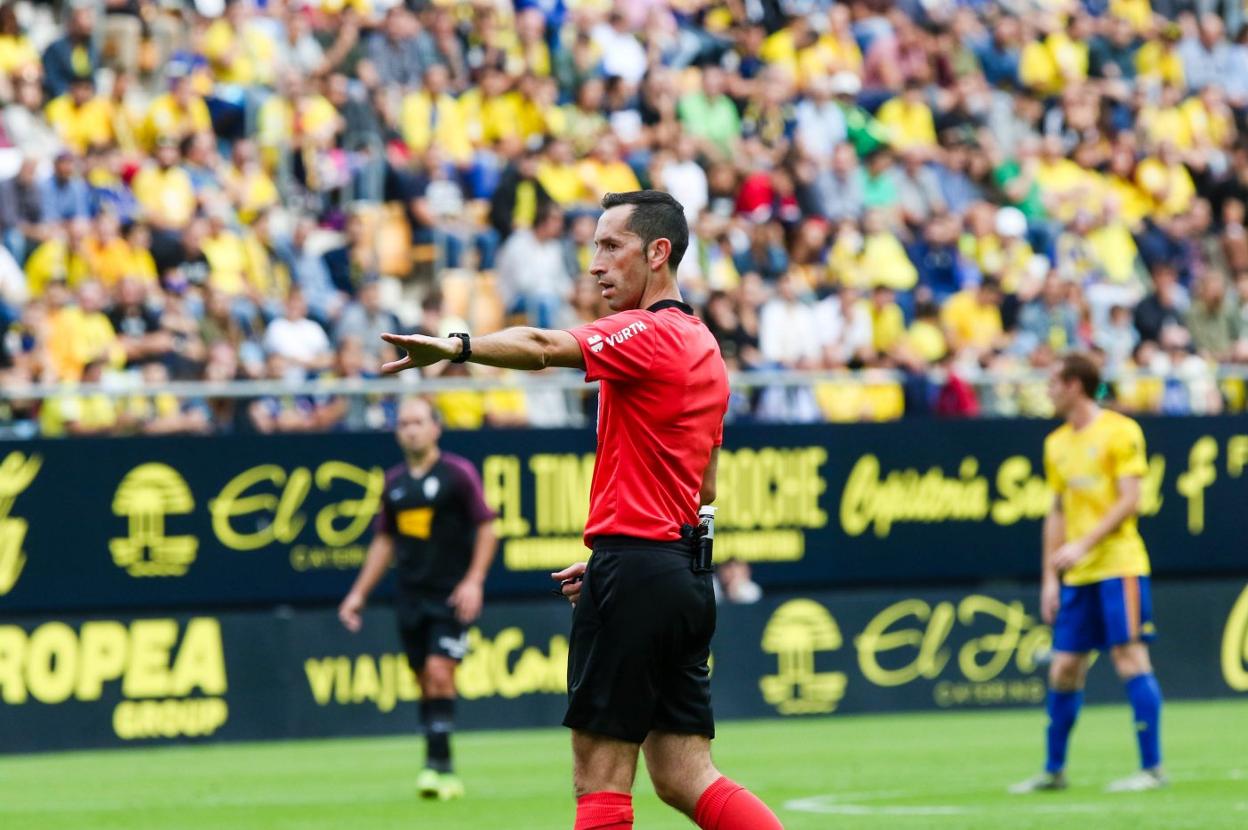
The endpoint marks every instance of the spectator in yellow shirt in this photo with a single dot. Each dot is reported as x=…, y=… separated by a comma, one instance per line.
x=81, y=118
x=1064, y=185
x=1209, y=119
x=125, y=114
x=1036, y=67
x=996, y=241
x=1120, y=185
x=908, y=119
x=227, y=257
x=972, y=317
x=542, y=114
x=794, y=50
x=836, y=50
x=295, y=117
x=560, y=176
x=250, y=188
x=79, y=414
x=176, y=114
x=239, y=48
x=1165, y=178
x=884, y=260
x=530, y=54
x=16, y=50
x=1159, y=61
x=59, y=258
x=1048, y=64
x=925, y=339
x=605, y=171
x=81, y=333
x=142, y=264
x=1166, y=120
x=431, y=114
x=1114, y=247
x=108, y=255
x=164, y=190
x=491, y=111
x=888, y=326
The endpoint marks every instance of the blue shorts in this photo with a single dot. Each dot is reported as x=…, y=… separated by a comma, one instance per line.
x=1102, y=615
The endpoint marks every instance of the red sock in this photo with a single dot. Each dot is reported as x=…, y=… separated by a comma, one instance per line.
x=604, y=811
x=729, y=806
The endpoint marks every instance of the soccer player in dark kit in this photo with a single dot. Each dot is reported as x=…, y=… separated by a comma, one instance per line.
x=638, y=677
x=435, y=525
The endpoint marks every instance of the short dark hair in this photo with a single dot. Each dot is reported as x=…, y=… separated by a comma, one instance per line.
x=656, y=215
x=990, y=283
x=1079, y=366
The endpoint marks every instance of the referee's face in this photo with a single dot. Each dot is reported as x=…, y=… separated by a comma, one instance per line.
x=619, y=263
x=418, y=430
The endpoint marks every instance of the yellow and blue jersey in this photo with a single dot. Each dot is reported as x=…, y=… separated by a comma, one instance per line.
x=1083, y=468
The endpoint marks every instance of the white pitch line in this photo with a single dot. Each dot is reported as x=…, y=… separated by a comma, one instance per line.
x=849, y=804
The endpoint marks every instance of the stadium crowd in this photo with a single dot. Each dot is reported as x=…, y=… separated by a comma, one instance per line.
x=226, y=189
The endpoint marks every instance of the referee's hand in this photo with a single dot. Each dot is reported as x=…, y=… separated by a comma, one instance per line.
x=421, y=351
x=569, y=580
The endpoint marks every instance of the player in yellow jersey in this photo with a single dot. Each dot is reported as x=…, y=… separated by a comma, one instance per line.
x=1095, y=591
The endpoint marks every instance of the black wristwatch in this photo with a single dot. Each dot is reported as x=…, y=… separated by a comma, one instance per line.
x=466, y=351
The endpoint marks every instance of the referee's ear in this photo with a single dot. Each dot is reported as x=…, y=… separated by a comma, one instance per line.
x=659, y=254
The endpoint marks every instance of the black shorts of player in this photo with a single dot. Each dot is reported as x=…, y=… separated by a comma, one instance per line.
x=641, y=642
x=427, y=626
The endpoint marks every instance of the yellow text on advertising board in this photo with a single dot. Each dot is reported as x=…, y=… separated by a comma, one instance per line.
x=768, y=497
x=263, y=505
x=1202, y=473
x=17, y=472
x=908, y=641
x=873, y=499
x=499, y=666
x=1235, y=645
x=171, y=680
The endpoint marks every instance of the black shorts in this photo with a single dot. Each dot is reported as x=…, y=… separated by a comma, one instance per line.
x=641, y=642
x=428, y=626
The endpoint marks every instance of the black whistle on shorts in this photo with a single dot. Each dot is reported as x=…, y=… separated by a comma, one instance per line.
x=702, y=539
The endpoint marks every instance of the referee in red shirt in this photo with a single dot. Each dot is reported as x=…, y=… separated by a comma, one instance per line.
x=638, y=677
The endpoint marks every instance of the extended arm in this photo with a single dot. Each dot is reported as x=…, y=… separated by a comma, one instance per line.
x=707, y=493
x=380, y=553
x=514, y=348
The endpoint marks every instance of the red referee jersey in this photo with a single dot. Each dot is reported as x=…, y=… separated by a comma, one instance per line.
x=662, y=398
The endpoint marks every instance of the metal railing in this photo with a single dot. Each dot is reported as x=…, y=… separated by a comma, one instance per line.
x=127, y=385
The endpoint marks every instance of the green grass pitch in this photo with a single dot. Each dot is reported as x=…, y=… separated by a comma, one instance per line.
x=913, y=772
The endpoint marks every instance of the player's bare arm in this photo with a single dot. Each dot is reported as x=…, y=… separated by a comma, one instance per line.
x=515, y=348
x=1127, y=505
x=1051, y=585
x=709, y=477
x=380, y=552
x=468, y=595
